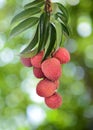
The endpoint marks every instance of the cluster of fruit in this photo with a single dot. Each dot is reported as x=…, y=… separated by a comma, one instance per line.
x=50, y=70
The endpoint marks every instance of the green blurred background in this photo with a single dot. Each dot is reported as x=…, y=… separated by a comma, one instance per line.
x=20, y=107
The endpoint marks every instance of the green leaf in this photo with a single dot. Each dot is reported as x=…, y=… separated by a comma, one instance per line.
x=63, y=10
x=44, y=29
x=38, y=3
x=41, y=30
x=29, y=54
x=32, y=44
x=59, y=33
x=52, y=41
x=62, y=17
x=46, y=35
x=26, y=24
x=25, y=14
x=65, y=30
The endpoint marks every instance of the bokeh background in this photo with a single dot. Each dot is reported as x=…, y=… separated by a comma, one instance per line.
x=20, y=107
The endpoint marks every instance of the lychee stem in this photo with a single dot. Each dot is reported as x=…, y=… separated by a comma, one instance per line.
x=48, y=7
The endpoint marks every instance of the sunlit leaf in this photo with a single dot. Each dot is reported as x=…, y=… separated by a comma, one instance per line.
x=38, y=3
x=26, y=24
x=25, y=14
x=59, y=33
x=30, y=53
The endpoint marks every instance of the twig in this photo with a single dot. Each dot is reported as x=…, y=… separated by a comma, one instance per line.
x=48, y=7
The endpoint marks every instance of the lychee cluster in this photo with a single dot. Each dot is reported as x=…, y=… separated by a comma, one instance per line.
x=50, y=71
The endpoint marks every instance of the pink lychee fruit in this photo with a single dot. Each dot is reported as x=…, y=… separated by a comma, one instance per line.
x=57, y=83
x=62, y=55
x=38, y=73
x=26, y=61
x=45, y=88
x=37, y=59
x=54, y=101
x=51, y=68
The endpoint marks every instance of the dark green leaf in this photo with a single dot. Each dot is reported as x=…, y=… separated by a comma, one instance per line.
x=38, y=3
x=65, y=30
x=25, y=14
x=63, y=10
x=46, y=29
x=52, y=41
x=62, y=17
x=26, y=24
x=32, y=44
x=44, y=24
x=41, y=28
x=46, y=35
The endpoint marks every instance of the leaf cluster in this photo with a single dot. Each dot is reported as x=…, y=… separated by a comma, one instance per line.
x=49, y=30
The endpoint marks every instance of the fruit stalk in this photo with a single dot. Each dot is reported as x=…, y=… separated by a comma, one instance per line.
x=48, y=8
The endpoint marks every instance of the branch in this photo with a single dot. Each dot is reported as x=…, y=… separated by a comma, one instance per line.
x=48, y=7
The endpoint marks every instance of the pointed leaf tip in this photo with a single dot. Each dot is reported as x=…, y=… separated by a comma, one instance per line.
x=26, y=24
x=25, y=14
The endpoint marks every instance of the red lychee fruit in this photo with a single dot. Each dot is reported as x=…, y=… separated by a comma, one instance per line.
x=37, y=59
x=45, y=88
x=51, y=68
x=54, y=101
x=62, y=55
x=57, y=84
x=26, y=61
x=38, y=73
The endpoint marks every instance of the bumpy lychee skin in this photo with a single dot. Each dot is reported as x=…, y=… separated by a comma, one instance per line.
x=54, y=101
x=26, y=61
x=62, y=55
x=38, y=73
x=57, y=83
x=45, y=88
x=51, y=68
x=36, y=60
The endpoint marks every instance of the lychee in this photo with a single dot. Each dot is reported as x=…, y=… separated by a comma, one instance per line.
x=57, y=83
x=45, y=88
x=54, y=101
x=62, y=55
x=26, y=61
x=38, y=73
x=51, y=68
x=37, y=59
